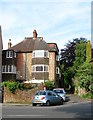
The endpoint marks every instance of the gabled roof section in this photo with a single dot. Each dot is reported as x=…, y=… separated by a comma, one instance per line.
x=34, y=43
x=29, y=44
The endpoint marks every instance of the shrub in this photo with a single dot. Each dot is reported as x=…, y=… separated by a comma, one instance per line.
x=88, y=95
x=49, y=85
x=12, y=86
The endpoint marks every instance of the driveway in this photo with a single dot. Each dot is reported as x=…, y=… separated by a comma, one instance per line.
x=71, y=98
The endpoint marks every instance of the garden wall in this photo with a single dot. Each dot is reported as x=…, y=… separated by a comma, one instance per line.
x=20, y=96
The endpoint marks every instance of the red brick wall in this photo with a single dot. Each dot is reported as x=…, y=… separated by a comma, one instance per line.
x=20, y=62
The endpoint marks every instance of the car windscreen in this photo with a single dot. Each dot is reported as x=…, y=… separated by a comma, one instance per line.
x=58, y=91
x=41, y=93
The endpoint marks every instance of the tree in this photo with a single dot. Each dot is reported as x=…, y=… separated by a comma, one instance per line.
x=80, y=54
x=69, y=61
x=88, y=51
x=84, y=76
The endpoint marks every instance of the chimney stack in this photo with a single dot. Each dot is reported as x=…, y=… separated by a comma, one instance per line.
x=9, y=44
x=35, y=34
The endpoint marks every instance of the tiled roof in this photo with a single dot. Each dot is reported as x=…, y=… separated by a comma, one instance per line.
x=29, y=44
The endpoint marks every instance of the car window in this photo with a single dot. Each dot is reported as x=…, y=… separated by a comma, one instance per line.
x=54, y=94
x=41, y=93
x=49, y=94
x=58, y=91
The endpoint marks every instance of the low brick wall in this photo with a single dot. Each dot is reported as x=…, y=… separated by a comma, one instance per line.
x=20, y=96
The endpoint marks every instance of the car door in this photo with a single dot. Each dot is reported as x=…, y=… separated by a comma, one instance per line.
x=51, y=97
x=56, y=98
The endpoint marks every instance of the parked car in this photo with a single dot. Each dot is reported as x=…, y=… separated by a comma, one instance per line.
x=46, y=97
x=61, y=92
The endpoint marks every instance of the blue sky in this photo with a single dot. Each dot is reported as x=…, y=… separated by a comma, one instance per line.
x=57, y=21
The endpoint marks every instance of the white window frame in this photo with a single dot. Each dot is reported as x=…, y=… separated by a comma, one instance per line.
x=9, y=69
x=57, y=57
x=46, y=52
x=34, y=68
x=40, y=54
x=15, y=54
x=9, y=54
x=57, y=70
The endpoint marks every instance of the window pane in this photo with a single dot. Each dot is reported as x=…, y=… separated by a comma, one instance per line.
x=33, y=68
x=45, y=53
x=15, y=54
x=38, y=53
x=10, y=68
x=45, y=68
x=6, y=68
x=3, y=68
x=39, y=68
x=11, y=54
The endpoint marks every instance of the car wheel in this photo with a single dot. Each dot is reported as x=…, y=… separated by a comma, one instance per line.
x=48, y=103
x=61, y=102
x=34, y=104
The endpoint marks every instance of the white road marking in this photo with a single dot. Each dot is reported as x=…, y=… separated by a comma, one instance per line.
x=22, y=115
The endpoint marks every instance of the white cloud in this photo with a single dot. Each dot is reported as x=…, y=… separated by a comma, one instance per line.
x=52, y=20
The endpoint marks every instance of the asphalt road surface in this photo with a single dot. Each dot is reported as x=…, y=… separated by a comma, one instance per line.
x=75, y=110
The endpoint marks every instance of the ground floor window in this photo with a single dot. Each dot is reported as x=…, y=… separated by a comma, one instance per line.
x=8, y=69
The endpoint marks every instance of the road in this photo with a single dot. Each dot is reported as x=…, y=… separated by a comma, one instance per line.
x=75, y=110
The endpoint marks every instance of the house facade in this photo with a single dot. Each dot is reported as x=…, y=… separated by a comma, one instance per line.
x=33, y=60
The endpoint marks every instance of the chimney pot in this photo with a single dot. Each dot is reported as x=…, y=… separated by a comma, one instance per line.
x=9, y=44
x=35, y=34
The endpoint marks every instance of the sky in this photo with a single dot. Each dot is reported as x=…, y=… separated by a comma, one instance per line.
x=57, y=21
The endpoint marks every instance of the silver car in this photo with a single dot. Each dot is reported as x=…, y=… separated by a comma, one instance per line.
x=46, y=97
x=61, y=92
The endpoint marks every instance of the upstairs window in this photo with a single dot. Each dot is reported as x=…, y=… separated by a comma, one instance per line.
x=15, y=54
x=57, y=57
x=45, y=53
x=9, y=54
x=39, y=53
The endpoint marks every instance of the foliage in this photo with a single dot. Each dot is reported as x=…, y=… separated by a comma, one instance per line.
x=67, y=55
x=88, y=52
x=49, y=85
x=85, y=77
x=71, y=57
x=88, y=95
x=80, y=54
x=68, y=74
x=12, y=86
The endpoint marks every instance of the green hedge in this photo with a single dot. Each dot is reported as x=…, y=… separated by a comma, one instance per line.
x=12, y=86
x=49, y=85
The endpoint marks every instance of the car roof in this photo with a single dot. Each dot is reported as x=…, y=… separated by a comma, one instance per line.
x=45, y=91
x=58, y=89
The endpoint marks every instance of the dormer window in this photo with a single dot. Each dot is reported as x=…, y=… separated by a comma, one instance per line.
x=9, y=54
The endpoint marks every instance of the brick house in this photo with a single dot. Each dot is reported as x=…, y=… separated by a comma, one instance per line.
x=32, y=59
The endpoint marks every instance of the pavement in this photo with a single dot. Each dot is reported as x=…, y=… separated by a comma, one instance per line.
x=70, y=99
